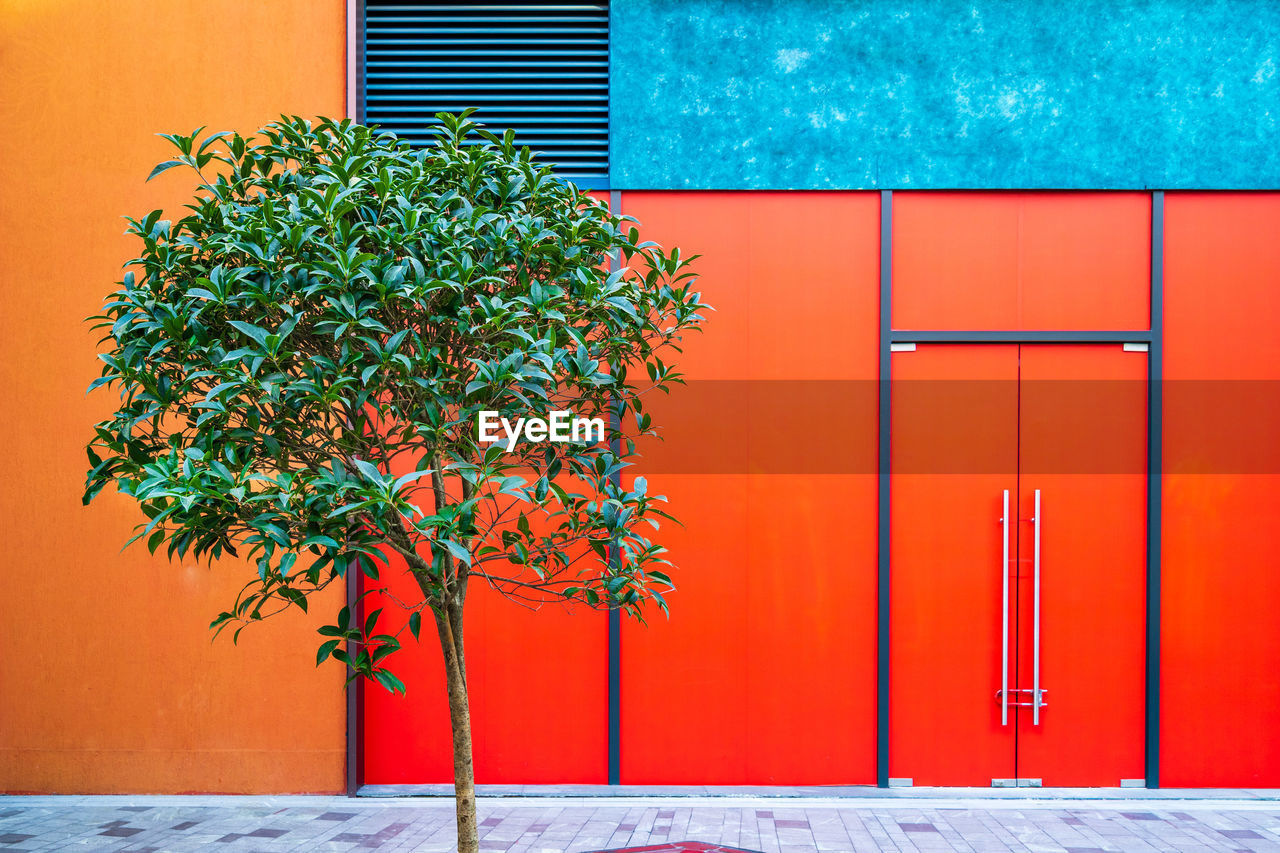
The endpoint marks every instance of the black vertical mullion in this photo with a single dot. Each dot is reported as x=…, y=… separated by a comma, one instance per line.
x=614, y=745
x=614, y=654
x=355, y=689
x=361, y=85
x=615, y=199
x=882, y=504
x=1155, y=466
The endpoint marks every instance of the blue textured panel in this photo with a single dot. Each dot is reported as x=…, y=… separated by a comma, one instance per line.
x=823, y=94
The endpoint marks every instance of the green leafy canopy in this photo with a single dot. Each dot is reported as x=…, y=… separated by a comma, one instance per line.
x=301, y=359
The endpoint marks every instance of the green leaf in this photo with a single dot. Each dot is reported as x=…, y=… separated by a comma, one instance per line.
x=456, y=550
x=388, y=680
x=401, y=482
x=164, y=167
x=258, y=334
x=415, y=623
x=370, y=472
x=326, y=649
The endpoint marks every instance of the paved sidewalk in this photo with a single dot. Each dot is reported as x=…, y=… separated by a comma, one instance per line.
x=559, y=825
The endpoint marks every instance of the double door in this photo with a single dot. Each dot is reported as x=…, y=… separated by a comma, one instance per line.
x=1018, y=554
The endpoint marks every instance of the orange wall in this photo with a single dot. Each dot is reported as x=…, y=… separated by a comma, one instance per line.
x=108, y=679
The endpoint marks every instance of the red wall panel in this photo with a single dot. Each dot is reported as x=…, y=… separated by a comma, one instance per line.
x=765, y=671
x=538, y=691
x=538, y=697
x=1021, y=260
x=1221, y=647
x=406, y=738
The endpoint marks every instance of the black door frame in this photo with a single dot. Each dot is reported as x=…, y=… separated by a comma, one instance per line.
x=1153, y=337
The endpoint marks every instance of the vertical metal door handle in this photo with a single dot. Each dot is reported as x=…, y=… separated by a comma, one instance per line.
x=1004, y=611
x=1035, y=677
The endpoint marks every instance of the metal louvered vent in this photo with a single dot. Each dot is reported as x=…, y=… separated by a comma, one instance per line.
x=540, y=69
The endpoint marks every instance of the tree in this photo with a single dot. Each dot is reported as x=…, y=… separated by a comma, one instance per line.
x=303, y=360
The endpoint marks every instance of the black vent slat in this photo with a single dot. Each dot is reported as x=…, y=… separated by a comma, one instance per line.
x=495, y=39
x=538, y=64
x=411, y=79
x=393, y=89
x=486, y=31
x=520, y=122
x=540, y=69
x=410, y=23
x=541, y=55
x=388, y=112
x=489, y=8
x=496, y=99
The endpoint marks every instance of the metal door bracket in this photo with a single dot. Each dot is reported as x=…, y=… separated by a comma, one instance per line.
x=1017, y=783
x=1031, y=704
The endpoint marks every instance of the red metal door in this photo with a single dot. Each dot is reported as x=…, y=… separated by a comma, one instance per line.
x=972, y=619
x=1082, y=449
x=954, y=456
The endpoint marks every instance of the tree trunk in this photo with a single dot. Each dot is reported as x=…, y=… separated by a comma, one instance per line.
x=449, y=626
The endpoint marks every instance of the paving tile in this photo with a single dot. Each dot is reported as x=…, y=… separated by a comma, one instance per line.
x=312, y=825
x=1240, y=833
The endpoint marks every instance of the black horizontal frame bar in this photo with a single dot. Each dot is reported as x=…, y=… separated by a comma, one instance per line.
x=1014, y=336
